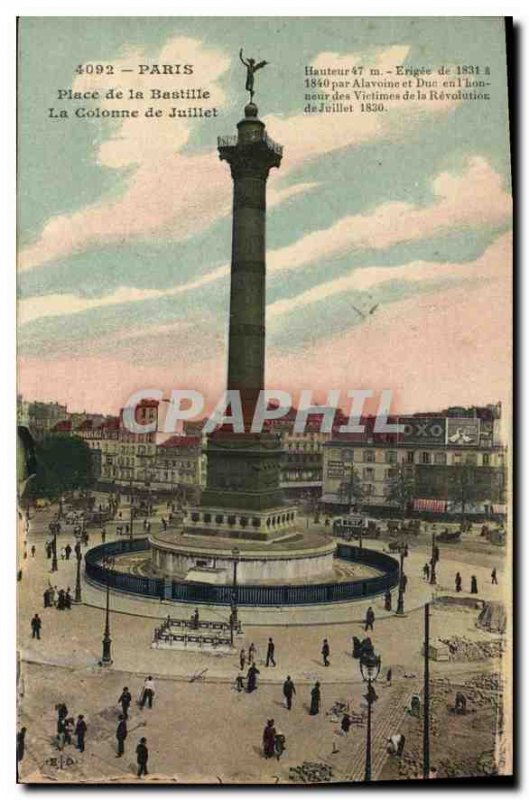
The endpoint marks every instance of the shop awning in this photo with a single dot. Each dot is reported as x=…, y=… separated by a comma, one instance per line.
x=436, y=506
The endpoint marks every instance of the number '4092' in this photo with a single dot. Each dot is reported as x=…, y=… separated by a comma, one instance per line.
x=95, y=69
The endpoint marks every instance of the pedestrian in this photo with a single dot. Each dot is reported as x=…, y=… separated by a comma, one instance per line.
x=387, y=601
x=251, y=679
x=239, y=682
x=325, y=651
x=36, y=625
x=48, y=551
x=21, y=746
x=46, y=598
x=69, y=727
x=458, y=581
x=63, y=553
x=121, y=735
x=195, y=619
x=68, y=551
x=148, y=692
x=142, y=756
x=315, y=699
x=242, y=659
x=125, y=699
x=389, y=675
x=289, y=690
x=270, y=650
x=80, y=732
x=61, y=733
x=473, y=585
x=493, y=576
x=370, y=619
x=345, y=724
x=60, y=600
x=251, y=654
x=67, y=599
x=269, y=739
x=32, y=554
x=426, y=572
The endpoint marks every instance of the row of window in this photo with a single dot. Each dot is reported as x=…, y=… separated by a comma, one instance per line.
x=425, y=457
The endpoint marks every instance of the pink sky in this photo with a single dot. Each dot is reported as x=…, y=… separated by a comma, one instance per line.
x=432, y=350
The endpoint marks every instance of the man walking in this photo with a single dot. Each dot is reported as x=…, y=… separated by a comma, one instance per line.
x=289, y=690
x=121, y=735
x=148, y=692
x=36, y=624
x=458, y=581
x=493, y=576
x=68, y=551
x=270, y=650
x=80, y=732
x=125, y=699
x=370, y=619
x=325, y=651
x=142, y=756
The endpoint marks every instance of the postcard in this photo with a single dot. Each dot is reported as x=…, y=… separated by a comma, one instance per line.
x=264, y=400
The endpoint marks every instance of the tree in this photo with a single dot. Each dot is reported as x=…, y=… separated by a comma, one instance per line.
x=463, y=486
x=401, y=488
x=352, y=489
x=63, y=464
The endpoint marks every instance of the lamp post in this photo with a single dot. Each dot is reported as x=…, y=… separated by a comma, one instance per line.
x=233, y=615
x=54, y=566
x=433, y=576
x=400, y=601
x=106, y=658
x=370, y=670
x=79, y=556
x=131, y=532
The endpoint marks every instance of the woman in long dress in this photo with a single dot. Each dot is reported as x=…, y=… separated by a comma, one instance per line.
x=315, y=699
x=269, y=739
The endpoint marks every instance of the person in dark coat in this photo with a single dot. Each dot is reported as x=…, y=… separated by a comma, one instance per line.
x=389, y=675
x=269, y=739
x=142, y=756
x=21, y=744
x=325, y=652
x=33, y=550
x=387, y=601
x=270, y=650
x=370, y=619
x=473, y=585
x=346, y=724
x=426, y=572
x=60, y=600
x=46, y=598
x=121, y=735
x=36, y=625
x=493, y=576
x=251, y=678
x=315, y=699
x=125, y=699
x=289, y=690
x=80, y=732
x=458, y=581
x=68, y=551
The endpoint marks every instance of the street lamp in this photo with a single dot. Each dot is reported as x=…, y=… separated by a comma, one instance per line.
x=402, y=582
x=233, y=615
x=54, y=566
x=370, y=670
x=131, y=532
x=433, y=561
x=106, y=658
x=79, y=556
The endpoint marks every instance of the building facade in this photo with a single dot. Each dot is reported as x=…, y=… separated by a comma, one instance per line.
x=452, y=462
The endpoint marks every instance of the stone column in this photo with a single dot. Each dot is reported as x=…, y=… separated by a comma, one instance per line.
x=250, y=156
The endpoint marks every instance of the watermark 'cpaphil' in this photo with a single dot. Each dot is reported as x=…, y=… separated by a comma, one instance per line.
x=271, y=404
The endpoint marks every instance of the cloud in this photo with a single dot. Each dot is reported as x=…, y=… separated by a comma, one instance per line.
x=451, y=347
x=474, y=198
x=369, y=278
x=175, y=195
x=57, y=305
